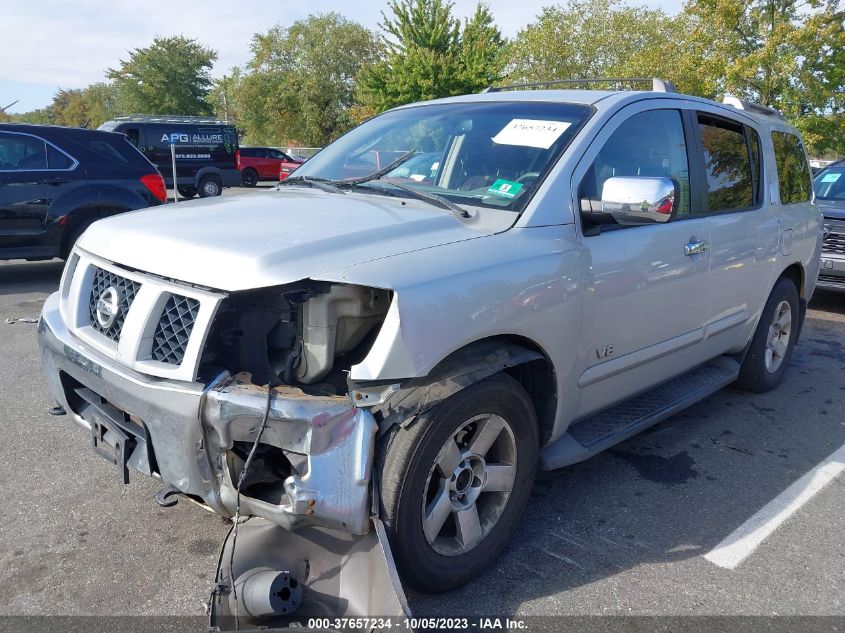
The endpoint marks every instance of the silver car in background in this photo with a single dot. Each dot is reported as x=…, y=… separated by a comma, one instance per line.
x=829, y=185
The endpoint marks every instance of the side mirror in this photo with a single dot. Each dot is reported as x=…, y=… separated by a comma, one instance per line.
x=634, y=200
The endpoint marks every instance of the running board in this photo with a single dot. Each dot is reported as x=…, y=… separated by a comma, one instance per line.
x=592, y=435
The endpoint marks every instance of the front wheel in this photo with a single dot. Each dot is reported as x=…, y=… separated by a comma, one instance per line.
x=773, y=342
x=455, y=484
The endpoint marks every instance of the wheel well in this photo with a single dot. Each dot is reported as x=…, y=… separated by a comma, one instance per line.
x=795, y=272
x=537, y=377
x=81, y=217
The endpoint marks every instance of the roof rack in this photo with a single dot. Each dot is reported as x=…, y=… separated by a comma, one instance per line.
x=171, y=118
x=750, y=106
x=619, y=83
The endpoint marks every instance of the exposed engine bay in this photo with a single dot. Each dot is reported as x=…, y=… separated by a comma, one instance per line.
x=306, y=334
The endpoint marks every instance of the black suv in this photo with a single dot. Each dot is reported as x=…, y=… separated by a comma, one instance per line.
x=55, y=181
x=206, y=150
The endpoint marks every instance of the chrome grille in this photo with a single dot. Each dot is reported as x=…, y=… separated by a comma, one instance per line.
x=834, y=243
x=126, y=291
x=174, y=329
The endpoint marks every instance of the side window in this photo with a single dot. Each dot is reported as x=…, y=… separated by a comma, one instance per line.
x=794, y=179
x=727, y=164
x=133, y=134
x=648, y=144
x=19, y=152
x=57, y=159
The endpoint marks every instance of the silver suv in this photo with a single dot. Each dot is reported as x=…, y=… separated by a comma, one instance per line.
x=412, y=340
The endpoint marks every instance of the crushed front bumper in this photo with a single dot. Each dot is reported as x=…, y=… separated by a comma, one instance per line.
x=187, y=433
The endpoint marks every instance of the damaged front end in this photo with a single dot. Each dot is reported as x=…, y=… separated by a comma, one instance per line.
x=314, y=461
x=297, y=458
x=274, y=578
x=313, y=464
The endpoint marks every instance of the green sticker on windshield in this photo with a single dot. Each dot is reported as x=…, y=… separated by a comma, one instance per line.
x=831, y=177
x=505, y=188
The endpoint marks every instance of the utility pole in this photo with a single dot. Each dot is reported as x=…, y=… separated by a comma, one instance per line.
x=225, y=100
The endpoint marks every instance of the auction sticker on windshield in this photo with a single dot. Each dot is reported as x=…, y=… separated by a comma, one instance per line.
x=531, y=133
x=505, y=188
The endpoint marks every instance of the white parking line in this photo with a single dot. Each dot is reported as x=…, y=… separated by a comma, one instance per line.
x=744, y=540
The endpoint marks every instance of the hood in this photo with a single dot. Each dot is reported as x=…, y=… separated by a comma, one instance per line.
x=832, y=209
x=266, y=239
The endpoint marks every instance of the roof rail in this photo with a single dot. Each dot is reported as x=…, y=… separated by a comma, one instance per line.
x=750, y=106
x=170, y=118
x=657, y=84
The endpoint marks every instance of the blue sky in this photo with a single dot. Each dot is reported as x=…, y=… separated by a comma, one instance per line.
x=51, y=44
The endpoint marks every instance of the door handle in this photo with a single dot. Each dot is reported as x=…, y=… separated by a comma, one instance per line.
x=56, y=181
x=696, y=248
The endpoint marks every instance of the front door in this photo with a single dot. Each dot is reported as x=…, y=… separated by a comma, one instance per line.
x=645, y=295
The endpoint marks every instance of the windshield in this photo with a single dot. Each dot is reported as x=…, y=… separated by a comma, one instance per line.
x=829, y=184
x=478, y=154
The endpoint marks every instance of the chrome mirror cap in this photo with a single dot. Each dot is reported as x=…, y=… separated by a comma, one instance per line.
x=640, y=199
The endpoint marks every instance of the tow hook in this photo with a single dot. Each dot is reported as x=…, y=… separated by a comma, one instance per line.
x=167, y=496
x=284, y=579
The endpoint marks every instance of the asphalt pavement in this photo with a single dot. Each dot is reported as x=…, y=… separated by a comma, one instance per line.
x=624, y=533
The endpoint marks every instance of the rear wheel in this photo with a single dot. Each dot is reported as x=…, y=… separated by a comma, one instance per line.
x=455, y=484
x=210, y=187
x=249, y=177
x=187, y=192
x=773, y=342
x=73, y=235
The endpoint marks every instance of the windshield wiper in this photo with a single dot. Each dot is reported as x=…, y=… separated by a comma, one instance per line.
x=377, y=174
x=323, y=184
x=457, y=211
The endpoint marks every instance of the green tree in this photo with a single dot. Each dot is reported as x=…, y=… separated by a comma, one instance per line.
x=88, y=107
x=301, y=80
x=787, y=54
x=224, y=96
x=427, y=53
x=600, y=38
x=169, y=77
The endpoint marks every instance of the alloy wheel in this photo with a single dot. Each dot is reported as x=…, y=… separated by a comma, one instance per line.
x=469, y=485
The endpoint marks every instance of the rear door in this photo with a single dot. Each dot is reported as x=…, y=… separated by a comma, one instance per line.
x=744, y=228
x=644, y=296
x=33, y=173
x=266, y=166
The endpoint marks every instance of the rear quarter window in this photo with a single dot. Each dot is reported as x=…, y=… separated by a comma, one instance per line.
x=116, y=150
x=794, y=176
x=727, y=164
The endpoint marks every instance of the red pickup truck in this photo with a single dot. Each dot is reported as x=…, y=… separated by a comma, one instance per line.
x=265, y=163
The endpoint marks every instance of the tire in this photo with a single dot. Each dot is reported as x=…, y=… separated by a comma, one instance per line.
x=249, y=177
x=771, y=348
x=186, y=191
x=209, y=187
x=411, y=479
x=73, y=235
